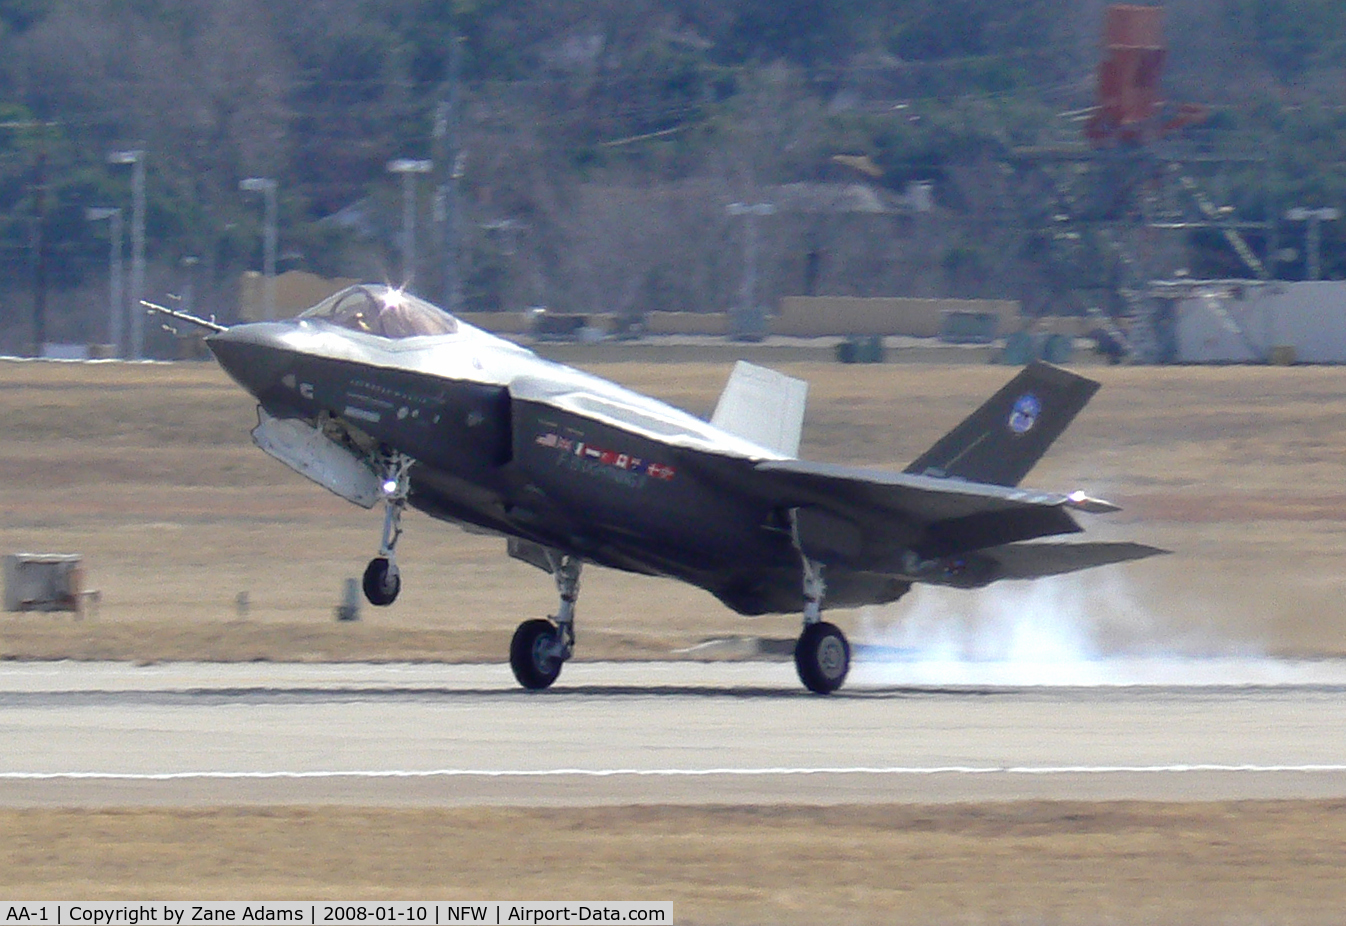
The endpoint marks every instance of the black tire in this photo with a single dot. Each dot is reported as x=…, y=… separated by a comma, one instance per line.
x=382, y=582
x=822, y=657
x=528, y=654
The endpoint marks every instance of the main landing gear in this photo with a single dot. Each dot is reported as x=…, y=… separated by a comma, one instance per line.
x=540, y=647
x=822, y=655
x=382, y=580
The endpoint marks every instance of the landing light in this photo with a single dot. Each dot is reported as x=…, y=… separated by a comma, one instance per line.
x=389, y=487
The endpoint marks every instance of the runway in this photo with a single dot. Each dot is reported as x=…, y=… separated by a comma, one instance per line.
x=115, y=734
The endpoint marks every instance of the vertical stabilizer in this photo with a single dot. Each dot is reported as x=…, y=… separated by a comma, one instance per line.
x=764, y=407
x=1004, y=439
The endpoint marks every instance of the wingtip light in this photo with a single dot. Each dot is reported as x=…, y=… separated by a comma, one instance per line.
x=1079, y=501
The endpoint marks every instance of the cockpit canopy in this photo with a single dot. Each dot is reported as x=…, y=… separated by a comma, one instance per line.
x=383, y=311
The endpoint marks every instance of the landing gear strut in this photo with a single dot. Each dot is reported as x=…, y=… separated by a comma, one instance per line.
x=822, y=655
x=540, y=647
x=383, y=580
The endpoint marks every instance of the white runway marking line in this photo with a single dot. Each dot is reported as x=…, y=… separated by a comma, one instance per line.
x=675, y=772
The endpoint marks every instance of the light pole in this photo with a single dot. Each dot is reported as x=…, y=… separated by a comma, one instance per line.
x=409, y=168
x=1314, y=234
x=136, y=158
x=267, y=187
x=116, y=307
x=750, y=320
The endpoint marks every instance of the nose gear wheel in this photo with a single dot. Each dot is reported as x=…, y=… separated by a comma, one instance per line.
x=382, y=579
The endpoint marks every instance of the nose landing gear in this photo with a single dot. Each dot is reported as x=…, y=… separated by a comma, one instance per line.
x=382, y=579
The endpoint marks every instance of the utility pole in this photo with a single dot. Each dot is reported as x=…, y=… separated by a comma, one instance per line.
x=409, y=168
x=750, y=320
x=116, y=307
x=270, y=233
x=38, y=236
x=40, y=250
x=448, y=155
x=136, y=158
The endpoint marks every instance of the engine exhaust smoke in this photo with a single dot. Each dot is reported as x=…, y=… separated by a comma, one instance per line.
x=1088, y=629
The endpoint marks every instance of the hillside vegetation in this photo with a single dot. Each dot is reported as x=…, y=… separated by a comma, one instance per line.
x=591, y=147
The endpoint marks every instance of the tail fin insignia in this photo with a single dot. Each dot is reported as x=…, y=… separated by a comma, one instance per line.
x=1001, y=441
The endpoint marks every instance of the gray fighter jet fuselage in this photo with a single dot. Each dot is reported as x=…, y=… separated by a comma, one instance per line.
x=383, y=398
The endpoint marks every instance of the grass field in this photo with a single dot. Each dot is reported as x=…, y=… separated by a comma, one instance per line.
x=1030, y=862
x=148, y=471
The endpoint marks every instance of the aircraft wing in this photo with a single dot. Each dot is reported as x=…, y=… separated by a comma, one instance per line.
x=846, y=509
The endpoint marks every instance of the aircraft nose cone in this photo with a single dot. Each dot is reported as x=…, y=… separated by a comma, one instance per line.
x=256, y=355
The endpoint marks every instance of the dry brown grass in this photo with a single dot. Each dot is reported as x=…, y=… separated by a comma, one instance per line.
x=1031, y=862
x=148, y=471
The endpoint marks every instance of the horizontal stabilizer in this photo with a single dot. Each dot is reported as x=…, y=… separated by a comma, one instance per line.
x=1004, y=439
x=1037, y=560
x=763, y=407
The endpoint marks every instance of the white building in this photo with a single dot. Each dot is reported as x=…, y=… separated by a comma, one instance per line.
x=1231, y=322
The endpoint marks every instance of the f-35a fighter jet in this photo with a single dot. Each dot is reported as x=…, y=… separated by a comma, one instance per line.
x=385, y=399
